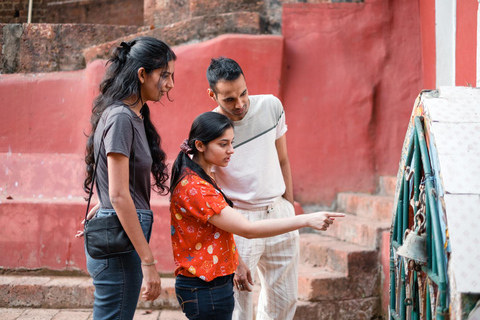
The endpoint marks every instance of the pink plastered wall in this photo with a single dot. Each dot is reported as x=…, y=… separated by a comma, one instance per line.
x=347, y=74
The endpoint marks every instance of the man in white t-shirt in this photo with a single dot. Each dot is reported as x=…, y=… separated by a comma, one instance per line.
x=258, y=180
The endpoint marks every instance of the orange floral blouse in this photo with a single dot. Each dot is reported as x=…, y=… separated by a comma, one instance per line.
x=199, y=248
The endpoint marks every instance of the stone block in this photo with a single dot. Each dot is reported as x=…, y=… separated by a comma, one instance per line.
x=74, y=292
x=316, y=284
x=319, y=283
x=162, y=13
x=171, y=315
x=75, y=314
x=63, y=292
x=53, y=47
x=322, y=251
x=25, y=295
x=359, y=230
x=202, y=28
x=359, y=309
x=10, y=313
x=39, y=314
x=323, y=310
x=211, y=8
x=387, y=185
x=372, y=206
x=192, y=30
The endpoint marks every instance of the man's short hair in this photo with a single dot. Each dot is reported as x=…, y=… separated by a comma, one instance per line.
x=222, y=68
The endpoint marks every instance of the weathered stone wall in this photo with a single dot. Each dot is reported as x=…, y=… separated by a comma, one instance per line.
x=162, y=13
x=52, y=47
x=59, y=48
x=115, y=12
x=16, y=11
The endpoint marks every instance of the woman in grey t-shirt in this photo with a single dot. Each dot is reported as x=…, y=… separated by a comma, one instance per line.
x=140, y=70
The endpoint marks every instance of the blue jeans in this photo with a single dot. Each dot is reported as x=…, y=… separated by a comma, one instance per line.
x=205, y=300
x=118, y=280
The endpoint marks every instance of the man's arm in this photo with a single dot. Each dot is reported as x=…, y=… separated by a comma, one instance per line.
x=281, y=145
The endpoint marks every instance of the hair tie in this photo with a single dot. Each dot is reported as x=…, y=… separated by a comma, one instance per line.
x=185, y=147
x=125, y=45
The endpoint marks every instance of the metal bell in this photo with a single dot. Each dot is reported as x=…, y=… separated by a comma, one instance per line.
x=414, y=247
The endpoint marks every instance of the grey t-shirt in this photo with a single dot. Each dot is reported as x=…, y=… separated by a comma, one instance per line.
x=116, y=122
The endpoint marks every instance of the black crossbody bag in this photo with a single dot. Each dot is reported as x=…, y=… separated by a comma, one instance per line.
x=104, y=236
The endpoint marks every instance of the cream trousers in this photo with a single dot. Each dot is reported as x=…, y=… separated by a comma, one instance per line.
x=276, y=260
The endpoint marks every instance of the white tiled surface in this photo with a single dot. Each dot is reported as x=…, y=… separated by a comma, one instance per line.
x=463, y=213
x=455, y=104
x=457, y=138
x=453, y=120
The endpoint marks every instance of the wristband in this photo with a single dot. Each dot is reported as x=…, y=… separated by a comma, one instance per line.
x=154, y=262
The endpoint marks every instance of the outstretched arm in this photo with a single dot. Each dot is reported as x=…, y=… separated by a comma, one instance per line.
x=233, y=221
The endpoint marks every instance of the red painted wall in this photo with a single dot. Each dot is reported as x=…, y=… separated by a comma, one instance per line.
x=42, y=145
x=352, y=73
x=466, y=46
x=347, y=73
x=427, y=28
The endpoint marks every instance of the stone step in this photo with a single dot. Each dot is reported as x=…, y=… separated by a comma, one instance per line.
x=387, y=185
x=55, y=221
x=359, y=230
x=350, y=309
x=326, y=252
x=82, y=314
x=366, y=205
x=62, y=292
x=69, y=292
x=321, y=284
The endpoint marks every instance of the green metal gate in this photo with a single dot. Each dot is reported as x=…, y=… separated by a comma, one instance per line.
x=418, y=290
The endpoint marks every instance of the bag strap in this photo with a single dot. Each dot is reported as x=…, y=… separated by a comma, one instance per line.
x=95, y=169
x=260, y=134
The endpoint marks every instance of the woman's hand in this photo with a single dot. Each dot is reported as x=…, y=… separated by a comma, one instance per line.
x=90, y=215
x=322, y=220
x=243, y=277
x=152, y=284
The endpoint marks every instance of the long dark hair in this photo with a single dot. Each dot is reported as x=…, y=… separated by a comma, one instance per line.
x=121, y=82
x=206, y=127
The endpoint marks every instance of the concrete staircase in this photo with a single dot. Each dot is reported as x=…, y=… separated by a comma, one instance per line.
x=340, y=274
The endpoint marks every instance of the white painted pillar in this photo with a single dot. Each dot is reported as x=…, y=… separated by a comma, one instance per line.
x=445, y=31
x=29, y=17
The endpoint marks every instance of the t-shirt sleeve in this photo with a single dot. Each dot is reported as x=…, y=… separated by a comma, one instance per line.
x=282, y=125
x=119, y=134
x=201, y=199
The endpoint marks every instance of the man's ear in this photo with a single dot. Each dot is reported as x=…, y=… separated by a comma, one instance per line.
x=211, y=94
x=199, y=145
x=142, y=75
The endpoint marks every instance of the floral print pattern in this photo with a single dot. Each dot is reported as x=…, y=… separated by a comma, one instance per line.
x=199, y=248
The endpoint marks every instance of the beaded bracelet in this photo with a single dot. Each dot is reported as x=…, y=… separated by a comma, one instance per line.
x=154, y=262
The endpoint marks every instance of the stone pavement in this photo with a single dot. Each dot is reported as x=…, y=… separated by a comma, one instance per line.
x=80, y=314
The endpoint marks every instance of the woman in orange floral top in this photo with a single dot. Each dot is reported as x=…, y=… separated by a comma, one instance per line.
x=203, y=222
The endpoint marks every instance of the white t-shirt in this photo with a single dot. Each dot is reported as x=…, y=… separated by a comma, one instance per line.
x=253, y=178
